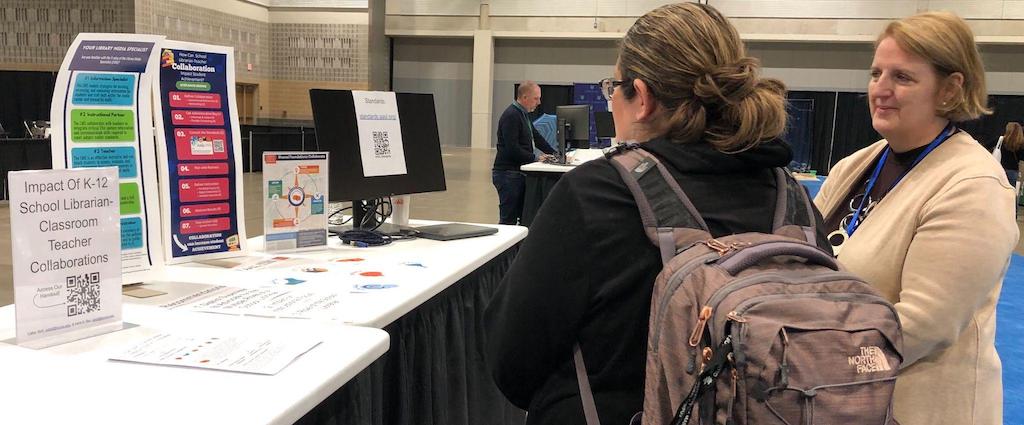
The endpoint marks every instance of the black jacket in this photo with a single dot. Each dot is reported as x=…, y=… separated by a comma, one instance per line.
x=1009, y=159
x=514, y=147
x=585, y=273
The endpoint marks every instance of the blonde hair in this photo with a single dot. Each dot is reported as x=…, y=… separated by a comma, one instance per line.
x=696, y=67
x=945, y=41
x=1013, y=139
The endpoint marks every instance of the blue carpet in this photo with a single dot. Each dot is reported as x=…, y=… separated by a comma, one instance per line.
x=1010, y=340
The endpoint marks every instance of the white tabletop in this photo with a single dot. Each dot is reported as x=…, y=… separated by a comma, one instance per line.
x=575, y=158
x=75, y=383
x=547, y=168
x=437, y=266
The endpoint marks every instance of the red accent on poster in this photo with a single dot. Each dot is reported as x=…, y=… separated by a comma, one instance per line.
x=181, y=117
x=199, y=210
x=202, y=225
x=199, y=190
x=182, y=99
x=203, y=169
x=200, y=143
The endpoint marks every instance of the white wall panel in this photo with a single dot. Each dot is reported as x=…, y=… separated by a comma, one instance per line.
x=544, y=7
x=612, y=7
x=434, y=7
x=319, y=3
x=970, y=9
x=861, y=9
x=1013, y=9
x=640, y=7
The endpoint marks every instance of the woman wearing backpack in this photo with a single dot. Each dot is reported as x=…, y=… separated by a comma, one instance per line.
x=927, y=218
x=1010, y=145
x=686, y=90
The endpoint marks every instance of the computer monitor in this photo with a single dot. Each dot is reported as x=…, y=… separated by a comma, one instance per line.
x=337, y=132
x=605, y=124
x=577, y=120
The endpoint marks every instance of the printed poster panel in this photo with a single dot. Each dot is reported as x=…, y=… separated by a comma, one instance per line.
x=380, y=133
x=294, y=200
x=67, y=264
x=199, y=147
x=101, y=117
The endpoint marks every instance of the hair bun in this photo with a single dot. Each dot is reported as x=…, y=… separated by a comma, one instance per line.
x=727, y=85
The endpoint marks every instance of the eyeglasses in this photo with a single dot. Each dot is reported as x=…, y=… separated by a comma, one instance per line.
x=608, y=86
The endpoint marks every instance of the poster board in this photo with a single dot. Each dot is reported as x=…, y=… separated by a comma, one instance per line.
x=199, y=152
x=101, y=116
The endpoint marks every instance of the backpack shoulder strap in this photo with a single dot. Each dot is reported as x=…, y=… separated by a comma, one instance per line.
x=794, y=212
x=669, y=218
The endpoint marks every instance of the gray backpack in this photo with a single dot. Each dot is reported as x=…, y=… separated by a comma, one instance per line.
x=754, y=328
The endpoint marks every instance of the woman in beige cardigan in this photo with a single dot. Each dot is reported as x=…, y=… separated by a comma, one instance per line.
x=927, y=217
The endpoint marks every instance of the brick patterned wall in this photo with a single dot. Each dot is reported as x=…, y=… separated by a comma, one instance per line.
x=287, y=59
x=291, y=97
x=321, y=52
x=34, y=34
x=185, y=22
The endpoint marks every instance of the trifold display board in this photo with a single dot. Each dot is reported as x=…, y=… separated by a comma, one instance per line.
x=101, y=117
x=199, y=150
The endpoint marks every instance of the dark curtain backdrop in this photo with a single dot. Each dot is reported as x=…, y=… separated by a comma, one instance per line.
x=799, y=127
x=853, y=131
x=853, y=128
x=821, y=125
x=551, y=95
x=24, y=96
x=987, y=129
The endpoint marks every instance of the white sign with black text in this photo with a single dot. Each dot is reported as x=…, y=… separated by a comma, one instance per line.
x=380, y=133
x=66, y=246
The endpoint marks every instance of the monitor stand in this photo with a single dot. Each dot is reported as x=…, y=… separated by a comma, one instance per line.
x=561, y=128
x=385, y=228
x=359, y=212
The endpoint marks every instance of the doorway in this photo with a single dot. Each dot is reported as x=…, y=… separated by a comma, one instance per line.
x=247, y=99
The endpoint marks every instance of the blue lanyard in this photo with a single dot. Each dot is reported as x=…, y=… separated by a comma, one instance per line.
x=854, y=222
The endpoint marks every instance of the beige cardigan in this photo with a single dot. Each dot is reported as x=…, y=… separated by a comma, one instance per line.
x=938, y=246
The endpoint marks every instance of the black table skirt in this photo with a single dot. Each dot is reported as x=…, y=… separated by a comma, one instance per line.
x=538, y=186
x=22, y=154
x=434, y=371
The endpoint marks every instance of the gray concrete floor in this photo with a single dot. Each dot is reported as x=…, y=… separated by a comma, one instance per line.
x=470, y=198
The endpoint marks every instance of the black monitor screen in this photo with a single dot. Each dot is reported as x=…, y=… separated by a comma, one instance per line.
x=337, y=132
x=578, y=119
x=604, y=123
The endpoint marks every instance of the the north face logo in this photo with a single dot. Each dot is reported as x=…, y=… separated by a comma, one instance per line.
x=870, y=359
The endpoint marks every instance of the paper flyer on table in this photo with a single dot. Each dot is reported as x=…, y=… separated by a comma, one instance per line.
x=265, y=302
x=266, y=356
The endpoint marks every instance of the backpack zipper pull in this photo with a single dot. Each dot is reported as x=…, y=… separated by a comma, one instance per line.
x=735, y=317
x=702, y=321
x=718, y=246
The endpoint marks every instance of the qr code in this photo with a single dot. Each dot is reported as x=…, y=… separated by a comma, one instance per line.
x=83, y=293
x=381, y=144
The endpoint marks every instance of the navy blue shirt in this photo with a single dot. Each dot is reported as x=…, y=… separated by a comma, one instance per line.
x=516, y=139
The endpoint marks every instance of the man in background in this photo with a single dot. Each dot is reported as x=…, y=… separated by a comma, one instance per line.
x=516, y=139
